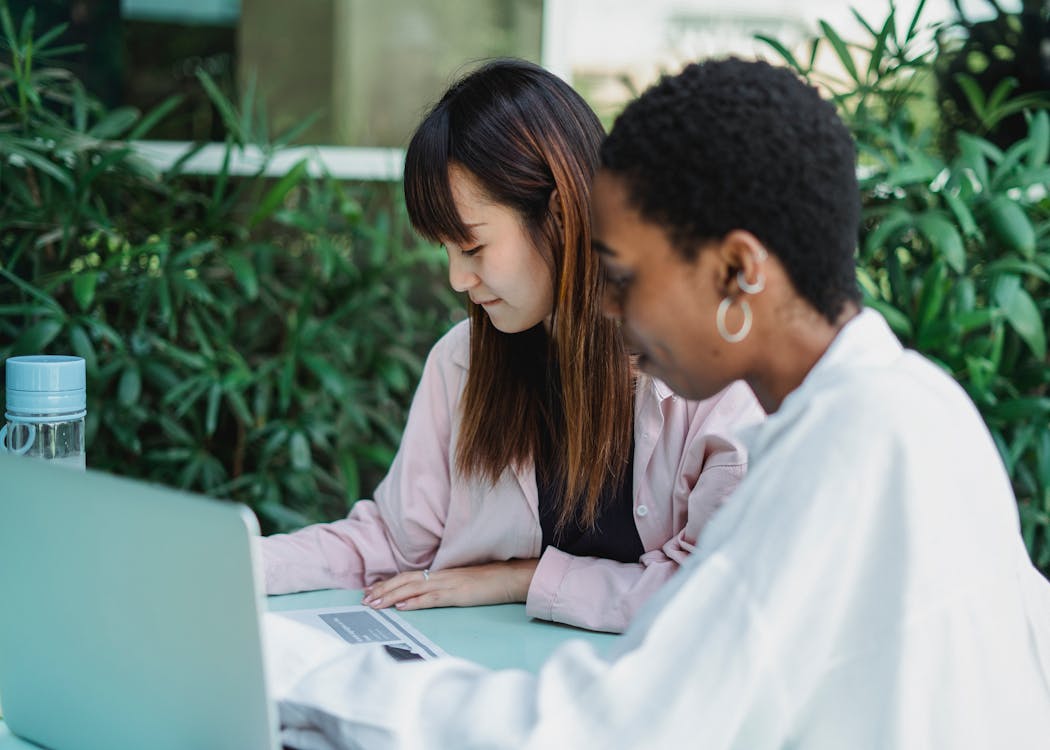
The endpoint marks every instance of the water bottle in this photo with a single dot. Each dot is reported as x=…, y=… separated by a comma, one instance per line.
x=46, y=406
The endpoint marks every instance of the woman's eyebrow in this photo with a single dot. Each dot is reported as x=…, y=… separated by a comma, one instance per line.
x=602, y=249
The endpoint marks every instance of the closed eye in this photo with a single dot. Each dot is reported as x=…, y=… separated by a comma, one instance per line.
x=616, y=286
x=618, y=282
x=472, y=251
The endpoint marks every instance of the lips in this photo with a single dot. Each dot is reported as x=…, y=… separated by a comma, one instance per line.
x=485, y=303
x=638, y=355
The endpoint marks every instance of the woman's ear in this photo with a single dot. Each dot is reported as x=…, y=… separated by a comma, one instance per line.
x=554, y=206
x=744, y=255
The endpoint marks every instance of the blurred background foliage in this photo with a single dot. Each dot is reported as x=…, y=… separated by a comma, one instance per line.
x=251, y=338
x=955, y=243
x=260, y=339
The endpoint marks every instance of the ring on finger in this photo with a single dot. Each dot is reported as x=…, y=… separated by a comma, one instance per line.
x=426, y=574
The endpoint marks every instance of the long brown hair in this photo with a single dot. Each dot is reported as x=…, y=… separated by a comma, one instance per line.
x=522, y=133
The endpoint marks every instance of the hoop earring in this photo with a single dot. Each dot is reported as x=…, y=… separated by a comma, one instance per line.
x=720, y=321
x=746, y=286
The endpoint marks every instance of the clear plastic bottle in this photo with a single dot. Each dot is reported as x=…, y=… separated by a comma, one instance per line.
x=46, y=407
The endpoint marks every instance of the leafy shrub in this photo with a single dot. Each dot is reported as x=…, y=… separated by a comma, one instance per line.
x=955, y=245
x=245, y=337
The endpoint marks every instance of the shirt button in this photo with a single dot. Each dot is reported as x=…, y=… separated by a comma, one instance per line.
x=642, y=511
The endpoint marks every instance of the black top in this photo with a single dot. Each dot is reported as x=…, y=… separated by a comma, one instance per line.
x=614, y=536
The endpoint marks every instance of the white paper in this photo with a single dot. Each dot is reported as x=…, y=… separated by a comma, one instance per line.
x=360, y=625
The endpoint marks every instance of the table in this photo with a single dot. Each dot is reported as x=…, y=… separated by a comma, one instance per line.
x=499, y=636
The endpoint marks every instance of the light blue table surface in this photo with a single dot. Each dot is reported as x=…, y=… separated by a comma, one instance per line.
x=499, y=636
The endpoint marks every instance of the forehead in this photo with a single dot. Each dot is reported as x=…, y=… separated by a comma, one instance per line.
x=621, y=235
x=465, y=188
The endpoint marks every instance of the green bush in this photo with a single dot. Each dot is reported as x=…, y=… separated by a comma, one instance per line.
x=250, y=338
x=955, y=243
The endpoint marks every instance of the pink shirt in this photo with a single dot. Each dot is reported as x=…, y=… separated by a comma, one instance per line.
x=428, y=515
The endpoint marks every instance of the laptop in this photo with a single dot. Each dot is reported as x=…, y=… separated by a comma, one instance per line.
x=129, y=615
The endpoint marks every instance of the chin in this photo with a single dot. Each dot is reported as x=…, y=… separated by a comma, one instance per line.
x=512, y=326
x=680, y=387
x=508, y=327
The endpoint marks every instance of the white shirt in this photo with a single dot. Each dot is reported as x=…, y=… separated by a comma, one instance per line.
x=867, y=587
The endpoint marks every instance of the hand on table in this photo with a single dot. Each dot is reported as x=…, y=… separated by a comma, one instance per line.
x=491, y=583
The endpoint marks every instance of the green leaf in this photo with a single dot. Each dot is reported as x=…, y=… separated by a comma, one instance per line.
x=973, y=92
x=965, y=295
x=9, y=27
x=1021, y=312
x=921, y=171
x=896, y=320
x=273, y=199
x=962, y=214
x=80, y=108
x=781, y=50
x=986, y=148
x=1006, y=171
x=225, y=107
x=114, y=124
x=892, y=223
x=935, y=286
x=945, y=239
x=239, y=407
x=130, y=387
x=299, y=452
x=973, y=158
x=36, y=160
x=1021, y=408
x=1019, y=267
x=351, y=476
x=285, y=518
x=377, y=455
x=973, y=320
x=841, y=50
x=35, y=339
x=878, y=52
x=290, y=135
x=914, y=24
x=999, y=94
x=244, y=272
x=84, y=289
x=155, y=116
x=1009, y=221
x=1039, y=138
x=83, y=347
x=211, y=419
x=1042, y=452
x=393, y=374
x=331, y=379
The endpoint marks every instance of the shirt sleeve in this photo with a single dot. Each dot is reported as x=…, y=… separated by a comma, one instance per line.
x=601, y=594
x=402, y=528
x=661, y=692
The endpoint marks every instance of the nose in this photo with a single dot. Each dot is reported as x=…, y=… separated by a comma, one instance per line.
x=461, y=274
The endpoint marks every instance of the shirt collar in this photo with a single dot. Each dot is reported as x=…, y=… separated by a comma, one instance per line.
x=865, y=342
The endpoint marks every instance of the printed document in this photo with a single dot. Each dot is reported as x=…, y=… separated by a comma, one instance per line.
x=360, y=624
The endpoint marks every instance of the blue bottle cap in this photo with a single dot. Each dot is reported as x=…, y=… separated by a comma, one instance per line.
x=45, y=388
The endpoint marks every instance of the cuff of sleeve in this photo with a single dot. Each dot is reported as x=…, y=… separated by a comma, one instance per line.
x=546, y=584
x=293, y=650
x=270, y=566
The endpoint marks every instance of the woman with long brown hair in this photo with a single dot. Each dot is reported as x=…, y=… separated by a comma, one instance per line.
x=537, y=464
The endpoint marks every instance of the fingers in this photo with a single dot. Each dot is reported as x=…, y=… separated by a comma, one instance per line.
x=426, y=600
x=490, y=583
x=400, y=588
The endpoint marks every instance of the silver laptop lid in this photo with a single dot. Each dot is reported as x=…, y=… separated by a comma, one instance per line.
x=129, y=615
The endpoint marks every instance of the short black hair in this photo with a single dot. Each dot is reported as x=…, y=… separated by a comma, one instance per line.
x=734, y=144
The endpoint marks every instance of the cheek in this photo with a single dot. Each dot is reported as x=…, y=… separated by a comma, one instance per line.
x=537, y=275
